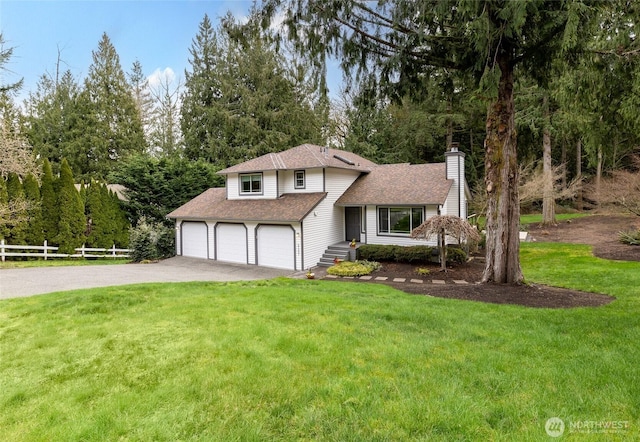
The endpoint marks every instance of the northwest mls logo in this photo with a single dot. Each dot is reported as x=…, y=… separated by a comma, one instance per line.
x=554, y=427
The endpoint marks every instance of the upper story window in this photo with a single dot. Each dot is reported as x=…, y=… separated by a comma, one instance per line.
x=298, y=177
x=251, y=183
x=399, y=220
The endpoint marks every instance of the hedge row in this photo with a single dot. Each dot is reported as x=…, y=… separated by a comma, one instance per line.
x=408, y=254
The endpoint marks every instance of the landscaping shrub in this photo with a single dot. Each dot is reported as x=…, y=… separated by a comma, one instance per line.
x=376, y=252
x=456, y=255
x=408, y=254
x=631, y=238
x=353, y=268
x=415, y=254
x=151, y=241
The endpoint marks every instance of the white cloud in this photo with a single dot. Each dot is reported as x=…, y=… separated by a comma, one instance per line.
x=161, y=76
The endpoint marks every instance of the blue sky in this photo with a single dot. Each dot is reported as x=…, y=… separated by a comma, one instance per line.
x=158, y=33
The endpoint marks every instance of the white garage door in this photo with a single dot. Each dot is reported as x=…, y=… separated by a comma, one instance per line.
x=276, y=247
x=194, y=239
x=231, y=243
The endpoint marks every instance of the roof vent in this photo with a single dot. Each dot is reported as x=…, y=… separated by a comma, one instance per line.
x=344, y=160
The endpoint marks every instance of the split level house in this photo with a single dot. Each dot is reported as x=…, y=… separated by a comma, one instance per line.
x=287, y=209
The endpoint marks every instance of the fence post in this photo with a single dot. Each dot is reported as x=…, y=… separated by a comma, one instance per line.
x=82, y=251
x=113, y=250
x=45, y=249
x=2, y=248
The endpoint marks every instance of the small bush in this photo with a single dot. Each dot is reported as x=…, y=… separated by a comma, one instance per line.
x=415, y=254
x=423, y=271
x=353, y=268
x=377, y=252
x=151, y=241
x=631, y=238
x=408, y=254
x=455, y=255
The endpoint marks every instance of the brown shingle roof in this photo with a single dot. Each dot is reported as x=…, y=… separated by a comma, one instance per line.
x=399, y=184
x=305, y=156
x=212, y=204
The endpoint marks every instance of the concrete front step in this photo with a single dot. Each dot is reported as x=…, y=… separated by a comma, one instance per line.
x=340, y=251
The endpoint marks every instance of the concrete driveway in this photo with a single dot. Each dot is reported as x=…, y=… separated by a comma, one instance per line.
x=16, y=283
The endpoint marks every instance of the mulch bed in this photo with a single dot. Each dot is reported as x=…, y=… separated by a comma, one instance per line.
x=600, y=231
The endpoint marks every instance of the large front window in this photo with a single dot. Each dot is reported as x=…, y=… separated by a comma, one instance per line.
x=251, y=183
x=399, y=220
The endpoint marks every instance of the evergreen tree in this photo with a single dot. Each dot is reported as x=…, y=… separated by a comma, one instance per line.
x=141, y=95
x=98, y=231
x=156, y=186
x=55, y=122
x=242, y=98
x=71, y=225
x=19, y=220
x=113, y=129
x=50, y=208
x=121, y=224
x=403, y=40
x=34, y=234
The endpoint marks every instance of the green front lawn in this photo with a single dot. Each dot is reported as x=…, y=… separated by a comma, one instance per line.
x=321, y=360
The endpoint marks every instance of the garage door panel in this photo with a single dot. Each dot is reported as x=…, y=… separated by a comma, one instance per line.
x=276, y=247
x=231, y=243
x=194, y=239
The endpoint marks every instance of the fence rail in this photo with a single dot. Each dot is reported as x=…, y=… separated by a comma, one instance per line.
x=45, y=251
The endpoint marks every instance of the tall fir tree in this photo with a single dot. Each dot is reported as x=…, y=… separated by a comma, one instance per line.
x=71, y=224
x=97, y=217
x=242, y=98
x=49, y=198
x=141, y=94
x=55, y=122
x=19, y=220
x=113, y=129
x=201, y=90
x=34, y=234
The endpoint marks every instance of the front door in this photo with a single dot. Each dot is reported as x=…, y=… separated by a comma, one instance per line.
x=352, y=218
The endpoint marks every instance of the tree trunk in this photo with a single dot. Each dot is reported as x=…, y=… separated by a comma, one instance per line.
x=449, y=123
x=579, y=202
x=548, y=199
x=443, y=251
x=501, y=181
x=599, y=174
x=563, y=161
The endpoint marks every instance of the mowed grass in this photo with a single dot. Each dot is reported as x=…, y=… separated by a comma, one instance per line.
x=61, y=262
x=536, y=218
x=321, y=360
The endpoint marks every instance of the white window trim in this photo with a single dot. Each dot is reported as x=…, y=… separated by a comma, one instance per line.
x=251, y=192
x=388, y=233
x=295, y=179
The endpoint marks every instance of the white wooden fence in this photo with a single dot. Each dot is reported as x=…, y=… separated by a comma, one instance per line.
x=45, y=251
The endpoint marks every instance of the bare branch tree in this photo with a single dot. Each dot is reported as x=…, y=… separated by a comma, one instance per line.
x=621, y=188
x=441, y=226
x=534, y=183
x=16, y=155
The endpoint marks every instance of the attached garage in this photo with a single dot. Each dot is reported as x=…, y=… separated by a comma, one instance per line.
x=276, y=246
x=231, y=243
x=194, y=239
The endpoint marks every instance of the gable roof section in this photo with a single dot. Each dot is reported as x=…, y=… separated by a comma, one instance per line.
x=399, y=184
x=212, y=204
x=305, y=156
